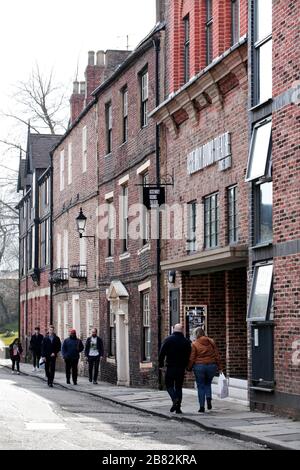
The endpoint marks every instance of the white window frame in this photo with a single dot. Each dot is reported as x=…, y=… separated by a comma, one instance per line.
x=66, y=319
x=62, y=171
x=59, y=320
x=58, y=251
x=268, y=268
x=70, y=163
x=89, y=317
x=76, y=320
x=66, y=250
x=84, y=149
x=259, y=151
x=146, y=312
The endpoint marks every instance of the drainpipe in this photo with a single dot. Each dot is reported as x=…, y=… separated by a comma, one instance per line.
x=156, y=43
x=51, y=232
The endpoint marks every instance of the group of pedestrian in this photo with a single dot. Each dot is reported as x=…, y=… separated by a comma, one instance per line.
x=45, y=350
x=202, y=357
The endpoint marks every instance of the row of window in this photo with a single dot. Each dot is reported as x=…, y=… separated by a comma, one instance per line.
x=144, y=92
x=63, y=323
x=209, y=24
x=27, y=248
x=212, y=221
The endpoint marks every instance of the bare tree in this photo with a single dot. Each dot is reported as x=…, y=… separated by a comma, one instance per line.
x=41, y=101
x=9, y=226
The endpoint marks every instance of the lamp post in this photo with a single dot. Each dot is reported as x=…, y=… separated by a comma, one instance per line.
x=81, y=224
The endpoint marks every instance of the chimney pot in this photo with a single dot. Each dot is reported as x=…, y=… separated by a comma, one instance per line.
x=75, y=87
x=91, y=58
x=82, y=88
x=101, y=58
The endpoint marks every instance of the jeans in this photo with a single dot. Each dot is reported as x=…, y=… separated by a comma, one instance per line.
x=16, y=361
x=50, y=369
x=36, y=359
x=94, y=362
x=72, y=365
x=204, y=374
x=174, y=382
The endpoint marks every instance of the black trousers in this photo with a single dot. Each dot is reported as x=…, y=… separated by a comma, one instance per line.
x=94, y=362
x=174, y=379
x=72, y=366
x=50, y=369
x=15, y=361
x=36, y=356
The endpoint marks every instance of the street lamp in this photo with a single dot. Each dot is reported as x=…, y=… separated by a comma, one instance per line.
x=81, y=224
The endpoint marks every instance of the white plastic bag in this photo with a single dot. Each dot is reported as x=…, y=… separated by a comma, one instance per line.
x=42, y=363
x=223, y=386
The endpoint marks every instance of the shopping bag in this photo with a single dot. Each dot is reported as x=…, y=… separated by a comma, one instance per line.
x=42, y=363
x=223, y=386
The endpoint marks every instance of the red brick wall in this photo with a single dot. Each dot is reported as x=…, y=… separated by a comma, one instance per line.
x=286, y=194
x=125, y=159
x=176, y=10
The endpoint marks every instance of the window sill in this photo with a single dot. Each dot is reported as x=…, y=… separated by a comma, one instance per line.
x=261, y=105
x=124, y=256
x=110, y=360
x=108, y=155
x=146, y=365
x=263, y=389
x=123, y=144
x=261, y=245
x=110, y=259
x=145, y=248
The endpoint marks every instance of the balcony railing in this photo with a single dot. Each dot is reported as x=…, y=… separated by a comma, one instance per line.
x=78, y=271
x=59, y=276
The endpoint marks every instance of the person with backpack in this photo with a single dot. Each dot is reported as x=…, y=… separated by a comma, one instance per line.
x=71, y=349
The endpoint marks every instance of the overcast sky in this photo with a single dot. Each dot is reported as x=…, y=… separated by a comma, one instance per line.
x=59, y=33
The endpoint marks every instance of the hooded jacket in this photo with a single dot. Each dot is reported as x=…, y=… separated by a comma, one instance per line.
x=204, y=351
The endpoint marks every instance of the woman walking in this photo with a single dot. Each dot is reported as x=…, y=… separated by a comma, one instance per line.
x=205, y=362
x=15, y=351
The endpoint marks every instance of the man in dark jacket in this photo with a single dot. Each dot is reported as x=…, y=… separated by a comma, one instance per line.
x=93, y=352
x=71, y=349
x=36, y=348
x=51, y=346
x=176, y=349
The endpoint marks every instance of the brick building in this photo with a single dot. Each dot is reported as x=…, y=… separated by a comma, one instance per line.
x=109, y=279
x=129, y=320
x=34, y=182
x=75, y=269
x=273, y=175
x=204, y=147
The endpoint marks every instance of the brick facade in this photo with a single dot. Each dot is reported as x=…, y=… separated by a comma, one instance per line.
x=201, y=111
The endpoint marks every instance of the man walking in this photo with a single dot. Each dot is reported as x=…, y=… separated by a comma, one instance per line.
x=36, y=348
x=93, y=352
x=51, y=346
x=176, y=349
x=71, y=349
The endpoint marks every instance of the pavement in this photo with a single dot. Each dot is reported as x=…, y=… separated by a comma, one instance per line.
x=229, y=417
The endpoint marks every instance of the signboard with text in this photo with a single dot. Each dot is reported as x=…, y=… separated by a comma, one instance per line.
x=153, y=197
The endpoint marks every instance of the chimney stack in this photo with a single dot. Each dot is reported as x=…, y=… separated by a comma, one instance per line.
x=75, y=87
x=82, y=88
x=101, y=59
x=160, y=10
x=76, y=101
x=91, y=58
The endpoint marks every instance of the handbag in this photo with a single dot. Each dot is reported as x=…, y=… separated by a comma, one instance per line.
x=223, y=386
